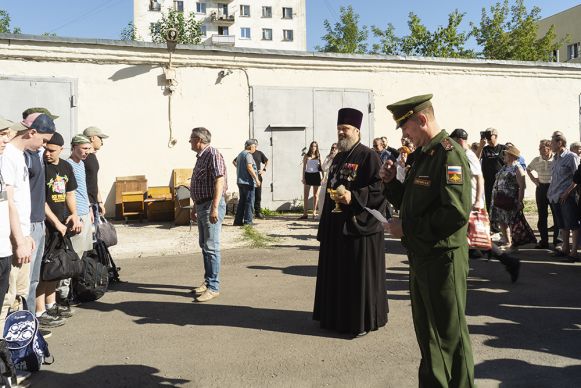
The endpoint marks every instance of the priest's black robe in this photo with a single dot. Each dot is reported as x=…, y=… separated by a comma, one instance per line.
x=351, y=293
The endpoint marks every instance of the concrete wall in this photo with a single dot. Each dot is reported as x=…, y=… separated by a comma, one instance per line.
x=120, y=89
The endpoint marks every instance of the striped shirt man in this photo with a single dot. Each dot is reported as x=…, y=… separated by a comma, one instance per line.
x=543, y=168
x=81, y=195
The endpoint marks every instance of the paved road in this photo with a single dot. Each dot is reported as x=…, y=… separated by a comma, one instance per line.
x=148, y=333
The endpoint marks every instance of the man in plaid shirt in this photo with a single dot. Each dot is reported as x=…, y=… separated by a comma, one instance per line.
x=208, y=186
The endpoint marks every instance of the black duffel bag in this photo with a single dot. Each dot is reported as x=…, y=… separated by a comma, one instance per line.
x=60, y=261
x=94, y=281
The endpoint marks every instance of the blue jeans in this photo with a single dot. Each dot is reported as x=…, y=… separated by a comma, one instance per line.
x=245, y=209
x=38, y=234
x=209, y=239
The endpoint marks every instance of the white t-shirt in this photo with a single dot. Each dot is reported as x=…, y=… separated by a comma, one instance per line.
x=5, y=246
x=476, y=170
x=15, y=174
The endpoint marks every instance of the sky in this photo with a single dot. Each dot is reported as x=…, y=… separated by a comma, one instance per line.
x=104, y=19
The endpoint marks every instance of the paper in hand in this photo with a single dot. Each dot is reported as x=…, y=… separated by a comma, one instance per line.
x=377, y=214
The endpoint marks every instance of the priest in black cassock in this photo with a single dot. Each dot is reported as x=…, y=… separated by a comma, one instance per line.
x=351, y=296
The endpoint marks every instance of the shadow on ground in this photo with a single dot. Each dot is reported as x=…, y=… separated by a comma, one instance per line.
x=111, y=376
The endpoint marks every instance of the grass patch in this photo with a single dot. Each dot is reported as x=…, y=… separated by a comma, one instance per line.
x=270, y=213
x=530, y=206
x=255, y=238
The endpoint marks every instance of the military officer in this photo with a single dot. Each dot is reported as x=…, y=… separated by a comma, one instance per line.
x=434, y=203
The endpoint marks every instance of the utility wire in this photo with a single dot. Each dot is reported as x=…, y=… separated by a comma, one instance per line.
x=90, y=12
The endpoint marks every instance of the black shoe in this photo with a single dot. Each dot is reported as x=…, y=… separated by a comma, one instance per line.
x=237, y=224
x=259, y=216
x=475, y=254
x=45, y=333
x=362, y=334
x=542, y=245
x=46, y=321
x=60, y=311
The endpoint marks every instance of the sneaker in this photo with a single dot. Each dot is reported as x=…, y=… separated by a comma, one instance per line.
x=60, y=311
x=207, y=295
x=48, y=321
x=21, y=377
x=200, y=289
x=259, y=216
x=45, y=333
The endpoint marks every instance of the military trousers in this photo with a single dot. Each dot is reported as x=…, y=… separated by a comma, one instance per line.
x=438, y=297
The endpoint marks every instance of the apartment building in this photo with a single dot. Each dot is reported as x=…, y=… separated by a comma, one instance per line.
x=567, y=22
x=265, y=24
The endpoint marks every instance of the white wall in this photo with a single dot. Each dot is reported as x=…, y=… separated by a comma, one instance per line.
x=120, y=90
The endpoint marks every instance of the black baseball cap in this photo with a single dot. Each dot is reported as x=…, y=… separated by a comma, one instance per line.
x=459, y=133
x=57, y=139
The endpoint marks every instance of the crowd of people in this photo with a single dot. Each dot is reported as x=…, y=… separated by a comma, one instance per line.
x=43, y=196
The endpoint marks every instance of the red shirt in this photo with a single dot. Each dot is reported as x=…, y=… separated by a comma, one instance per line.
x=209, y=166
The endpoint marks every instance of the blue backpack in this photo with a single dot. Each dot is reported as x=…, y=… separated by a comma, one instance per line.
x=26, y=344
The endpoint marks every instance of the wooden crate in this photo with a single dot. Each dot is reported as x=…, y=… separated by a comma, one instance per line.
x=181, y=177
x=125, y=184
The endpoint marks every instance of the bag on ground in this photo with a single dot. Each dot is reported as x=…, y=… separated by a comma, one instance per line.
x=106, y=232
x=105, y=257
x=60, y=261
x=7, y=371
x=27, y=346
x=479, y=230
x=93, y=282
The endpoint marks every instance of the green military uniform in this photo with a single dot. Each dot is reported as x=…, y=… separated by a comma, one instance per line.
x=434, y=202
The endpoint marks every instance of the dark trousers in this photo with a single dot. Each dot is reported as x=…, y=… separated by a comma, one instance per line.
x=258, y=196
x=488, y=185
x=543, y=206
x=5, y=265
x=244, y=211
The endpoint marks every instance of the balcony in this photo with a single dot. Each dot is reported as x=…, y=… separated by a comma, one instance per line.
x=223, y=40
x=222, y=19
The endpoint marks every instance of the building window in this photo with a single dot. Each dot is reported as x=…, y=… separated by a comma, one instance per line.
x=267, y=34
x=287, y=13
x=154, y=5
x=245, y=33
x=200, y=7
x=222, y=9
x=204, y=30
x=287, y=35
x=223, y=31
x=266, y=12
x=555, y=56
x=178, y=6
x=573, y=51
x=245, y=10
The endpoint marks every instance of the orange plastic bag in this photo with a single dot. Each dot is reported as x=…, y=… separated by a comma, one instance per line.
x=479, y=230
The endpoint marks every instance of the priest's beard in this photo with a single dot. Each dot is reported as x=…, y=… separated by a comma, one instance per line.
x=346, y=143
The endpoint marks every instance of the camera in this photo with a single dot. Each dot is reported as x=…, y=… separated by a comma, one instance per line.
x=486, y=135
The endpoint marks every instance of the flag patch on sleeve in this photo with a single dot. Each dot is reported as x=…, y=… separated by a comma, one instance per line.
x=454, y=175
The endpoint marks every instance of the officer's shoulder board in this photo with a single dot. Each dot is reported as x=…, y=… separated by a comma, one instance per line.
x=447, y=144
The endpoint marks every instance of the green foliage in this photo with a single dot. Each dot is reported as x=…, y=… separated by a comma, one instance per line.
x=189, y=29
x=255, y=238
x=345, y=36
x=443, y=42
x=510, y=32
x=5, y=24
x=130, y=32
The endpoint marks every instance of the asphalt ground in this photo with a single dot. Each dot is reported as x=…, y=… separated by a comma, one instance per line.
x=147, y=332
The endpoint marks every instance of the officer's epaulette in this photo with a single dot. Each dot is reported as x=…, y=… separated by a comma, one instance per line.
x=447, y=144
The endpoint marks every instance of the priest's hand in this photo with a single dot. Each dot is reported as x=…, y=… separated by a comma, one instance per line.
x=345, y=198
x=388, y=171
x=393, y=227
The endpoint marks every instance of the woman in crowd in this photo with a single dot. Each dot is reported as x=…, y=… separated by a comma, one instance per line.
x=311, y=178
x=325, y=167
x=508, y=193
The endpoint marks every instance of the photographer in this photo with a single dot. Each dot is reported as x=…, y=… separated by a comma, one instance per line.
x=490, y=154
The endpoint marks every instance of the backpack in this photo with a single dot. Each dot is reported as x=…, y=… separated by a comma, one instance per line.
x=27, y=346
x=93, y=282
x=105, y=257
x=7, y=371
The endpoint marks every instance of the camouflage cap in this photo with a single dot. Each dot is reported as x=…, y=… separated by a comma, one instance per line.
x=39, y=110
x=80, y=139
x=404, y=109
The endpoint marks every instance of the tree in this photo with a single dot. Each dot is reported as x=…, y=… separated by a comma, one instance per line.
x=189, y=29
x=389, y=43
x=130, y=32
x=5, y=24
x=514, y=38
x=345, y=36
x=443, y=42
